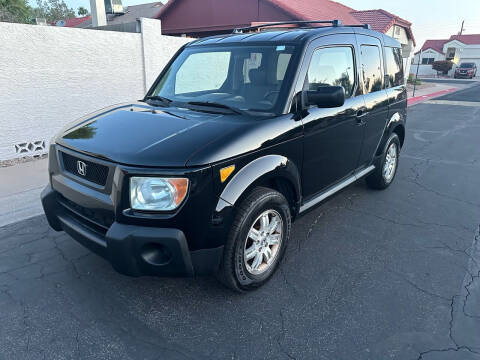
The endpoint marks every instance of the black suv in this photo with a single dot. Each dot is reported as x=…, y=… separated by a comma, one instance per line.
x=239, y=135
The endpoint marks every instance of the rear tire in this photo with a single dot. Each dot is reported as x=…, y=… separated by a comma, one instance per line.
x=383, y=175
x=257, y=240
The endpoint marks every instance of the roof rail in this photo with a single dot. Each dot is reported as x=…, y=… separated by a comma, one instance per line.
x=334, y=23
x=363, y=26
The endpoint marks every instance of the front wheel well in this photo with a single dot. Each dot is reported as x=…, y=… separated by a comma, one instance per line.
x=285, y=188
x=280, y=184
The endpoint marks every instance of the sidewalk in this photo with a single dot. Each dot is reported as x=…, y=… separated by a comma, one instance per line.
x=20, y=188
x=427, y=91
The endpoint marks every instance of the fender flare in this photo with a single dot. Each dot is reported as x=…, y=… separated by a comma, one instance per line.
x=395, y=120
x=269, y=165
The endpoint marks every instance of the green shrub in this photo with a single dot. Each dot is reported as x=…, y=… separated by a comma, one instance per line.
x=443, y=66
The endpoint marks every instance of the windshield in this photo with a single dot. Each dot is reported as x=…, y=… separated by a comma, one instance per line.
x=247, y=78
x=466, y=65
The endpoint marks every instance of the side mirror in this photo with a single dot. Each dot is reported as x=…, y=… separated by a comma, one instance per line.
x=326, y=96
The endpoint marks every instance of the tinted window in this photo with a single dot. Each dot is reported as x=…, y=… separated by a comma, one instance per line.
x=249, y=78
x=332, y=67
x=467, y=65
x=372, y=71
x=282, y=63
x=394, y=65
x=251, y=63
x=215, y=70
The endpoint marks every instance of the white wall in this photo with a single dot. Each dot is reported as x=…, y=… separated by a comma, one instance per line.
x=399, y=33
x=423, y=70
x=50, y=76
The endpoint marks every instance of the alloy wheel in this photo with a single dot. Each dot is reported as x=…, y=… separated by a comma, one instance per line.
x=263, y=242
x=390, y=163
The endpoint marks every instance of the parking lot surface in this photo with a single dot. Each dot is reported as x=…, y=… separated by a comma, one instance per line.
x=369, y=274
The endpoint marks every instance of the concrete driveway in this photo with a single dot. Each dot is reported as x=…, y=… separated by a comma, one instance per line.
x=368, y=275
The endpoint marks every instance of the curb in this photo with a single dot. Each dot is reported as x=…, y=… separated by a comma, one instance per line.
x=414, y=100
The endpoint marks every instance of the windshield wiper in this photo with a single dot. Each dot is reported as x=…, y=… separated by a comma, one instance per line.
x=163, y=99
x=216, y=105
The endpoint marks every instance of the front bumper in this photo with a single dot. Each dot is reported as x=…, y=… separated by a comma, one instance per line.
x=464, y=75
x=131, y=249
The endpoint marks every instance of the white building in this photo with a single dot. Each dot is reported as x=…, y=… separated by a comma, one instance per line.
x=458, y=49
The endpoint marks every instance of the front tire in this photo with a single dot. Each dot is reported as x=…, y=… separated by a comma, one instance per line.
x=383, y=175
x=257, y=240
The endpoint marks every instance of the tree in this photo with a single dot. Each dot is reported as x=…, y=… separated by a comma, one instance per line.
x=82, y=11
x=16, y=11
x=443, y=66
x=52, y=10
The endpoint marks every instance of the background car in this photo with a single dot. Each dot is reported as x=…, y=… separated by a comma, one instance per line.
x=466, y=70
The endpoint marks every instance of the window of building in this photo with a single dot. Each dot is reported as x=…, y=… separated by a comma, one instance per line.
x=332, y=66
x=450, y=54
x=427, y=61
x=394, y=66
x=372, y=69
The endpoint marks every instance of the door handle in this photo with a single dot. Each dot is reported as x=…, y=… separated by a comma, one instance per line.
x=360, y=115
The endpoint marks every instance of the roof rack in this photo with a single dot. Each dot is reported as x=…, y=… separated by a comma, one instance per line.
x=334, y=23
x=363, y=26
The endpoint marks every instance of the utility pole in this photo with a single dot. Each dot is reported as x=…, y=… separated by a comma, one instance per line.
x=416, y=75
x=461, y=30
x=99, y=17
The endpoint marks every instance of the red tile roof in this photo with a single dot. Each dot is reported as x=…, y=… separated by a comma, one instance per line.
x=76, y=21
x=317, y=9
x=436, y=45
x=470, y=39
x=377, y=19
x=381, y=20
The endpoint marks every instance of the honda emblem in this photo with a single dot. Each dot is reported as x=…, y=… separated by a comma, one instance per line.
x=81, y=168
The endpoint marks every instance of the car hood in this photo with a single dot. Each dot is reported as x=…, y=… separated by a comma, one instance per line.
x=141, y=135
x=138, y=134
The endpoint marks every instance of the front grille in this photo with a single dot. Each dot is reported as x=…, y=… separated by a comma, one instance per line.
x=93, y=172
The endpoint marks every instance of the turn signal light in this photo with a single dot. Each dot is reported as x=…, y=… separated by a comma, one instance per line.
x=226, y=172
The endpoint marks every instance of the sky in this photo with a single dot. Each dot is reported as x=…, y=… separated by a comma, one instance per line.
x=431, y=19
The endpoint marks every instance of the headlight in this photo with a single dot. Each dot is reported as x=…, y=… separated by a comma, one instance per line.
x=157, y=194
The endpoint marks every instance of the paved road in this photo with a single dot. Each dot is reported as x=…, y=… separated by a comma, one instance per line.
x=368, y=275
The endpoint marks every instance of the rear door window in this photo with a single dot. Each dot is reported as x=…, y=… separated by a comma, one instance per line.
x=394, y=67
x=372, y=68
x=332, y=66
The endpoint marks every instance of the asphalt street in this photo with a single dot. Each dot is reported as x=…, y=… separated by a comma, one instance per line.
x=369, y=274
